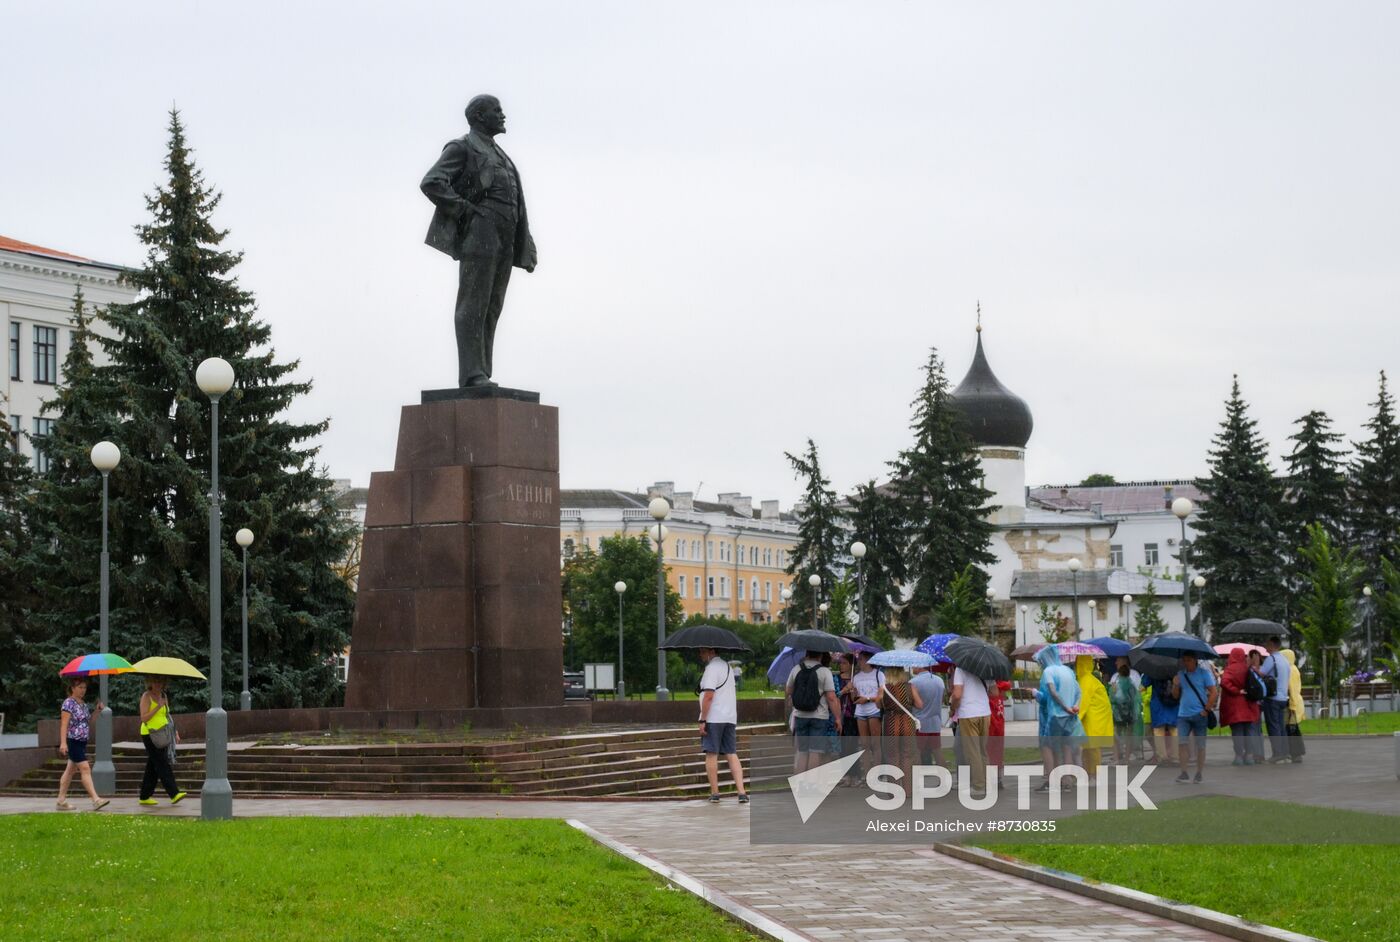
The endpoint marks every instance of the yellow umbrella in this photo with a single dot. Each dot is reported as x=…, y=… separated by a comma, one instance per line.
x=167, y=667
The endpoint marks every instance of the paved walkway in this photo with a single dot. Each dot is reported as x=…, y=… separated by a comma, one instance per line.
x=865, y=893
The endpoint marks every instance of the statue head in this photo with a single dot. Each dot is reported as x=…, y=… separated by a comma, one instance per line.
x=484, y=114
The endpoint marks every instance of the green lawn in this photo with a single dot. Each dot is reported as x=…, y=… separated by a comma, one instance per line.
x=1373, y=723
x=1338, y=892
x=119, y=877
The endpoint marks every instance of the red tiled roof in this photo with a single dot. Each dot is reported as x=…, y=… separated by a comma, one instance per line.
x=15, y=245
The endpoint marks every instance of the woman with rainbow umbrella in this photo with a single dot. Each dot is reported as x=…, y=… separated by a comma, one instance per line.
x=74, y=723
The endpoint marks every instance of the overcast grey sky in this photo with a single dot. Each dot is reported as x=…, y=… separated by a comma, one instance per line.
x=755, y=218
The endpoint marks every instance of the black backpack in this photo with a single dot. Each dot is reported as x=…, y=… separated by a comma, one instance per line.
x=1255, y=688
x=806, y=689
x=1163, y=690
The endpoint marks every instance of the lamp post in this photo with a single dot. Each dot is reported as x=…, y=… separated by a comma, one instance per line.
x=786, y=596
x=858, y=551
x=660, y=510
x=215, y=377
x=105, y=457
x=1182, y=508
x=1093, y=617
x=815, y=581
x=1370, y=663
x=822, y=609
x=620, y=587
x=1074, y=566
x=1128, y=615
x=991, y=614
x=1200, y=583
x=244, y=538
x=1024, y=637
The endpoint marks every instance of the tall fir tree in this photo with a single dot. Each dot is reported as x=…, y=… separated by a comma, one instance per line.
x=191, y=307
x=1375, y=490
x=876, y=522
x=63, y=561
x=942, y=500
x=963, y=608
x=1316, y=488
x=819, y=536
x=1240, y=540
x=16, y=636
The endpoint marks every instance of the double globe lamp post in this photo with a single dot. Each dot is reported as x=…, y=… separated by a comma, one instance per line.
x=660, y=510
x=215, y=378
x=105, y=457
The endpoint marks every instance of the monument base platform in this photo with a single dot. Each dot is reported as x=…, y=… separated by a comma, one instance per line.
x=479, y=392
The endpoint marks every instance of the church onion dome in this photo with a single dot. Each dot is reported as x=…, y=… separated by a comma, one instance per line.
x=995, y=415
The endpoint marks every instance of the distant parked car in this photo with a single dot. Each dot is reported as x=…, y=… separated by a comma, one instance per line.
x=574, y=688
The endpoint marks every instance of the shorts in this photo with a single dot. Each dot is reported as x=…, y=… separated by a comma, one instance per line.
x=1191, y=726
x=719, y=738
x=77, y=750
x=810, y=727
x=1062, y=727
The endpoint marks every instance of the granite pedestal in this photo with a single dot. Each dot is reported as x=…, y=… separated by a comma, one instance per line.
x=459, y=594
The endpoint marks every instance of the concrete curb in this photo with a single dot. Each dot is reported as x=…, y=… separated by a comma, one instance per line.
x=752, y=918
x=1197, y=916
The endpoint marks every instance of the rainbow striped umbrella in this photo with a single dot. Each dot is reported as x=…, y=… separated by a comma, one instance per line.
x=91, y=665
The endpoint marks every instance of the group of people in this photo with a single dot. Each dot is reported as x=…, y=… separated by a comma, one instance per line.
x=894, y=716
x=158, y=735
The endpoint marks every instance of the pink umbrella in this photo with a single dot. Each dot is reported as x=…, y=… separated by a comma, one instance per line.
x=1225, y=649
x=1069, y=650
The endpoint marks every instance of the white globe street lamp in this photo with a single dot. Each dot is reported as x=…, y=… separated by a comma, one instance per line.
x=105, y=457
x=858, y=551
x=620, y=587
x=1074, y=566
x=660, y=509
x=244, y=538
x=991, y=614
x=1366, y=592
x=815, y=581
x=215, y=377
x=1128, y=614
x=1182, y=508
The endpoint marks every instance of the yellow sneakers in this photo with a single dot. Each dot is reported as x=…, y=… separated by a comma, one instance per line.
x=145, y=801
x=179, y=797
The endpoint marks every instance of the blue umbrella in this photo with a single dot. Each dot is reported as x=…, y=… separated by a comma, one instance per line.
x=934, y=646
x=905, y=659
x=1113, y=647
x=782, y=666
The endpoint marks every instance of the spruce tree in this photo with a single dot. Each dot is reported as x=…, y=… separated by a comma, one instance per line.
x=63, y=562
x=1327, y=612
x=1316, y=488
x=1240, y=541
x=1147, y=619
x=876, y=521
x=963, y=608
x=938, y=482
x=191, y=307
x=1375, y=490
x=16, y=650
x=819, y=536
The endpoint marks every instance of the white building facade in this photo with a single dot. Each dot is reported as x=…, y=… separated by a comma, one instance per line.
x=37, y=286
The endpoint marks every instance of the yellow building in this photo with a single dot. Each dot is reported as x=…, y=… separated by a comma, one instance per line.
x=723, y=557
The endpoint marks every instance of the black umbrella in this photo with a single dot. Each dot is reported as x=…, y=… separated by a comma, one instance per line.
x=979, y=658
x=810, y=639
x=1156, y=666
x=865, y=640
x=1252, y=628
x=695, y=637
x=1174, y=644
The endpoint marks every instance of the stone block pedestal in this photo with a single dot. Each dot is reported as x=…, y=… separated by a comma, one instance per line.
x=459, y=594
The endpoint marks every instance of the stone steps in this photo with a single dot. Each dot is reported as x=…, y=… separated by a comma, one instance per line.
x=650, y=762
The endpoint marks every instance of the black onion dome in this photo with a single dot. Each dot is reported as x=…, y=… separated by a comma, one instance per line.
x=995, y=415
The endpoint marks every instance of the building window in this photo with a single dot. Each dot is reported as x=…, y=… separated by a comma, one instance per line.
x=43, y=428
x=724, y=587
x=569, y=548
x=782, y=559
x=741, y=617
x=15, y=422
x=753, y=556
x=753, y=589
x=768, y=557
x=680, y=582
x=1115, y=556
x=767, y=591
x=710, y=586
x=709, y=549
x=14, y=350
x=740, y=587
x=697, y=587
x=342, y=667
x=45, y=355
x=1149, y=550
x=694, y=549
x=680, y=549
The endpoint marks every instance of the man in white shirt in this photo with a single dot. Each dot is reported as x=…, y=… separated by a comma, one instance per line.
x=973, y=710
x=1276, y=668
x=812, y=691
x=719, y=721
